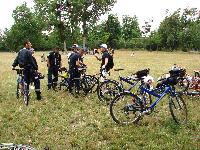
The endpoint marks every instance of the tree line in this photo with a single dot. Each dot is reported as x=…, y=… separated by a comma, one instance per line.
x=64, y=22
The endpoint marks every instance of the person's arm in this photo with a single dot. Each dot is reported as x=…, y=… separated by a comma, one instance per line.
x=15, y=63
x=98, y=58
x=48, y=62
x=106, y=61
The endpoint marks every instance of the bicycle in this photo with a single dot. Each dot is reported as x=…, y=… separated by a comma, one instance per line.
x=194, y=84
x=64, y=81
x=111, y=88
x=183, y=82
x=128, y=107
x=22, y=88
x=12, y=146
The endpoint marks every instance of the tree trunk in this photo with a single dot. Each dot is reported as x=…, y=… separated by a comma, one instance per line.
x=84, y=34
x=65, y=49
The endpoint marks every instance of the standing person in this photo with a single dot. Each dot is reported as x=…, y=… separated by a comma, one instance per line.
x=53, y=64
x=25, y=60
x=106, y=59
x=74, y=63
x=36, y=78
x=75, y=49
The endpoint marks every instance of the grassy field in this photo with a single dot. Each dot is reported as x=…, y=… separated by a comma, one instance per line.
x=63, y=122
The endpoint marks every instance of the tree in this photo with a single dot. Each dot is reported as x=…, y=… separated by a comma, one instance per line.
x=26, y=26
x=113, y=27
x=169, y=31
x=130, y=28
x=67, y=14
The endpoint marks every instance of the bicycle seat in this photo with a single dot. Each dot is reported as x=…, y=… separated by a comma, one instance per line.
x=142, y=73
x=120, y=69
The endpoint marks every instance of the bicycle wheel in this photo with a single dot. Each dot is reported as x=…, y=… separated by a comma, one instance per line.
x=108, y=90
x=178, y=109
x=182, y=85
x=25, y=94
x=84, y=86
x=125, y=108
x=92, y=82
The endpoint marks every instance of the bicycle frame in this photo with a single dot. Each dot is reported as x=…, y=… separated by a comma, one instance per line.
x=132, y=84
x=168, y=89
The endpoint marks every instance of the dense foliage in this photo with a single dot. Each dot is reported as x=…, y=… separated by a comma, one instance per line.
x=52, y=23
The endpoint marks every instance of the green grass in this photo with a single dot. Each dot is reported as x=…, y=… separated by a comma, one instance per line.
x=64, y=122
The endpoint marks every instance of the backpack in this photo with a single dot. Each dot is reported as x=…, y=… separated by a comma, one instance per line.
x=110, y=62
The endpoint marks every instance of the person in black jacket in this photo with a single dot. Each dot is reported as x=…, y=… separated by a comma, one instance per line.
x=53, y=63
x=25, y=60
x=75, y=62
x=36, y=78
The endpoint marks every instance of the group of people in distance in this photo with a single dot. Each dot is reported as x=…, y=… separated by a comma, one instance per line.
x=25, y=59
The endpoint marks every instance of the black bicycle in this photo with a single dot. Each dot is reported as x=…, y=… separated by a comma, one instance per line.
x=63, y=81
x=22, y=89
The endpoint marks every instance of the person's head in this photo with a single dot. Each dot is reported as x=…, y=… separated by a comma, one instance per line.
x=82, y=51
x=103, y=47
x=56, y=50
x=75, y=47
x=27, y=44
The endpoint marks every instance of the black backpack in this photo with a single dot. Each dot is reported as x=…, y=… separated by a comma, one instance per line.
x=110, y=62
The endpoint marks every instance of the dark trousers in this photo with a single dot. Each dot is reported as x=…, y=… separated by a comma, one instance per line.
x=31, y=76
x=52, y=71
x=74, y=79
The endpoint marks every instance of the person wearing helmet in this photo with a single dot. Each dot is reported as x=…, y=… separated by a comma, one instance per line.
x=106, y=59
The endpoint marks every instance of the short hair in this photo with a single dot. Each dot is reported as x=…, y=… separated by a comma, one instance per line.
x=26, y=42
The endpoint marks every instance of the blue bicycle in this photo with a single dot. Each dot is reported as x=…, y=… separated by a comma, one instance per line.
x=128, y=107
x=109, y=89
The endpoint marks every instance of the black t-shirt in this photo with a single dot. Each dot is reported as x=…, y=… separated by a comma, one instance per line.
x=72, y=62
x=104, y=56
x=54, y=59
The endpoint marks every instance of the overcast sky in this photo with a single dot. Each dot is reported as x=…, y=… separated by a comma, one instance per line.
x=143, y=9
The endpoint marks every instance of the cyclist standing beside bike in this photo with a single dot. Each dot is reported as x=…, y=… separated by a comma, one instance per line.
x=74, y=63
x=25, y=60
x=53, y=64
x=36, y=78
x=106, y=60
